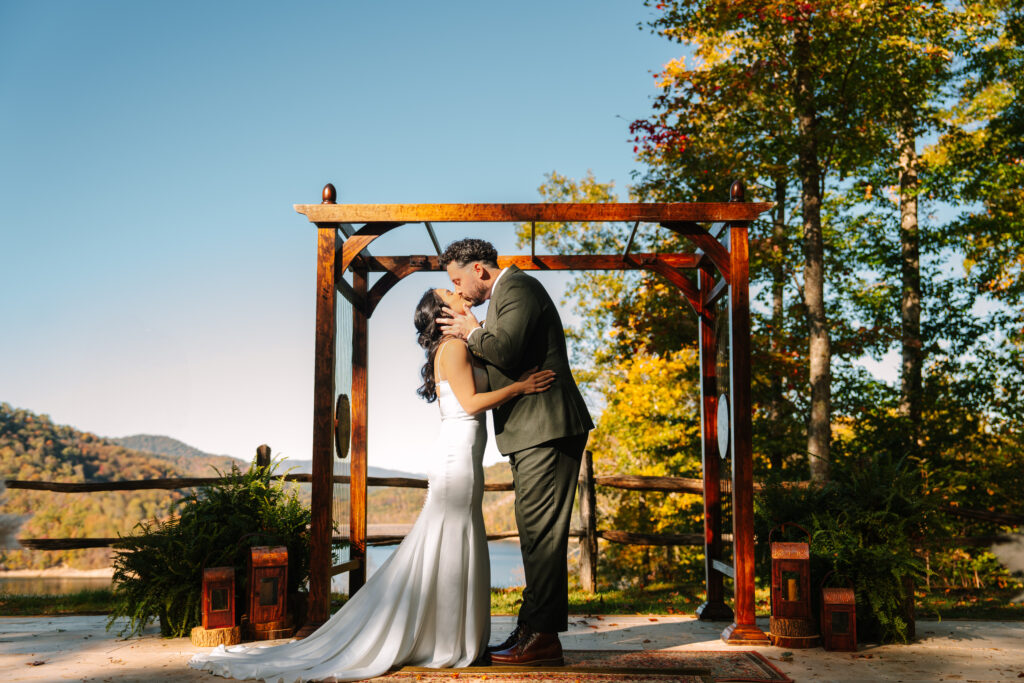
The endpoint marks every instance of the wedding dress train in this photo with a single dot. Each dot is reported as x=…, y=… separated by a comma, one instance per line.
x=427, y=605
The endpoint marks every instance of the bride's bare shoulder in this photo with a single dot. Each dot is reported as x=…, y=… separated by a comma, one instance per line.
x=452, y=351
x=453, y=343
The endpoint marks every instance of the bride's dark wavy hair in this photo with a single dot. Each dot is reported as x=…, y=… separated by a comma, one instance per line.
x=429, y=336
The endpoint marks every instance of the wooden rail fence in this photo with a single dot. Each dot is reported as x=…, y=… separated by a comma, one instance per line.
x=587, y=532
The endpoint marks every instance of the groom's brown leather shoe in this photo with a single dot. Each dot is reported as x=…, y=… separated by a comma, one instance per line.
x=532, y=649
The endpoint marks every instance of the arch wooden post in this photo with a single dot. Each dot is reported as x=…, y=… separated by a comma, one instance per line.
x=714, y=607
x=360, y=415
x=323, y=425
x=263, y=455
x=744, y=630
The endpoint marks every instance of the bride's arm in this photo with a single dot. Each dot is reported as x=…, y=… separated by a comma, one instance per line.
x=456, y=364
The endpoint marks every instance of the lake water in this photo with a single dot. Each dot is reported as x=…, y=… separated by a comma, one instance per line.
x=51, y=585
x=506, y=570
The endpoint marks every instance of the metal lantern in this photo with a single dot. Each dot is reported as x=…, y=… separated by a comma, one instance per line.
x=268, y=591
x=838, y=617
x=791, y=624
x=218, y=597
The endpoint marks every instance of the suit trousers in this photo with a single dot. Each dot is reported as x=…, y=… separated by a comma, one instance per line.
x=545, y=477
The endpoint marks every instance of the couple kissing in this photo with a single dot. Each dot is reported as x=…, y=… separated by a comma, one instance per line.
x=429, y=603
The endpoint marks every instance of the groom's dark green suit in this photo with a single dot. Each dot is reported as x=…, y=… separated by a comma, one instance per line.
x=542, y=434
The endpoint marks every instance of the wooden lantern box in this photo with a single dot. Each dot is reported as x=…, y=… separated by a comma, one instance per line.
x=218, y=597
x=218, y=606
x=791, y=623
x=838, y=619
x=268, y=593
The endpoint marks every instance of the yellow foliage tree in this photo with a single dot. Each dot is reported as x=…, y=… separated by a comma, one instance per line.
x=650, y=425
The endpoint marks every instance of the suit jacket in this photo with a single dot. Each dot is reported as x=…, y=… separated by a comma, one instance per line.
x=523, y=330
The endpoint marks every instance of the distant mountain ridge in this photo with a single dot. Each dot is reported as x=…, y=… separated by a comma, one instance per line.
x=342, y=467
x=161, y=445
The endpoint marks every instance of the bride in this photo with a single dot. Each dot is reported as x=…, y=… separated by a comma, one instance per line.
x=429, y=603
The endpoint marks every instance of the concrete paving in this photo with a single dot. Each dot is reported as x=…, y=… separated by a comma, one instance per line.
x=79, y=648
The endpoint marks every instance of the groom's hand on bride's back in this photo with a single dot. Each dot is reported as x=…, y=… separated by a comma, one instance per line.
x=458, y=324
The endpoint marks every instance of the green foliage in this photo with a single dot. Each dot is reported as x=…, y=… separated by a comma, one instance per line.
x=864, y=524
x=979, y=162
x=650, y=426
x=158, y=570
x=729, y=108
x=656, y=598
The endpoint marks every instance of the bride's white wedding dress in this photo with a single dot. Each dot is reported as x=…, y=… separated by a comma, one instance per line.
x=428, y=604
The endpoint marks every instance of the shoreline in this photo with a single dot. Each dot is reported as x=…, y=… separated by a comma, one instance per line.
x=58, y=573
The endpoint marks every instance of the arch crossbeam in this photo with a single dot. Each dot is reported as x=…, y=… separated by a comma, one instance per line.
x=525, y=213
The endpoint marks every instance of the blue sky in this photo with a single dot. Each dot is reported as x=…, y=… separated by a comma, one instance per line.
x=155, y=276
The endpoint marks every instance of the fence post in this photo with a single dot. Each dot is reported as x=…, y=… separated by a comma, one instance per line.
x=263, y=456
x=588, y=524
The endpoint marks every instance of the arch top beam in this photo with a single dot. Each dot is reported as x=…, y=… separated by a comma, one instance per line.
x=541, y=213
x=379, y=219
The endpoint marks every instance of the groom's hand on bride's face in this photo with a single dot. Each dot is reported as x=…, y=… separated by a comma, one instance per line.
x=458, y=324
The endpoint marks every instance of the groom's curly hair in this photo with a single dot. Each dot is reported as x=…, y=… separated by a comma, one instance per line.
x=469, y=250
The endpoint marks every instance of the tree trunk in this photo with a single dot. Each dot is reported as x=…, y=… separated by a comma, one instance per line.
x=820, y=355
x=910, y=279
x=776, y=449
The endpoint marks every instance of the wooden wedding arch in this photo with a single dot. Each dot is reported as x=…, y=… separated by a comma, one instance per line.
x=719, y=234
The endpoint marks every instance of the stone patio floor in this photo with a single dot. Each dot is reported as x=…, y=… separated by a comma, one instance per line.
x=79, y=648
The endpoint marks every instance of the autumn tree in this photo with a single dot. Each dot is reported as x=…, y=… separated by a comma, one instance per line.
x=980, y=159
x=822, y=108
x=806, y=95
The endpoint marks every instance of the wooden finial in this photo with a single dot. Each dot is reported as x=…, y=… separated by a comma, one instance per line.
x=736, y=191
x=330, y=194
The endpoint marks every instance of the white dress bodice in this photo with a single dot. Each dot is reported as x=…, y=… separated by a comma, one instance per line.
x=450, y=407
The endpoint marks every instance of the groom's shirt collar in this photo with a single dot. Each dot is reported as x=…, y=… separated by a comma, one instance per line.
x=495, y=285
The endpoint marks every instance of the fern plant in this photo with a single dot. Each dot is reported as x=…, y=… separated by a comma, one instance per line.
x=864, y=524
x=158, y=570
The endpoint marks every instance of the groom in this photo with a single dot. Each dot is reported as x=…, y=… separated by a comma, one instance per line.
x=543, y=435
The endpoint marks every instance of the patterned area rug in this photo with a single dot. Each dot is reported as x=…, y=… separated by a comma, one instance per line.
x=656, y=666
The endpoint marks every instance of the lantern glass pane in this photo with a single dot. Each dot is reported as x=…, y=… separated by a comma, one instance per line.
x=840, y=623
x=218, y=599
x=268, y=591
x=790, y=585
